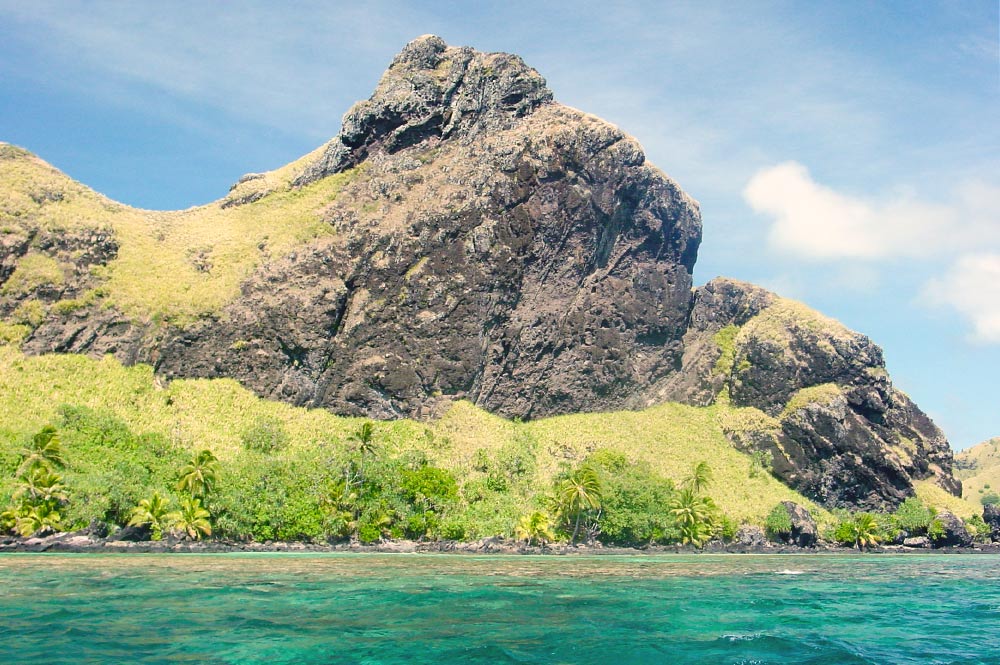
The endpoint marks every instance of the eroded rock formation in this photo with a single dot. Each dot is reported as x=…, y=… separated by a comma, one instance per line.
x=477, y=241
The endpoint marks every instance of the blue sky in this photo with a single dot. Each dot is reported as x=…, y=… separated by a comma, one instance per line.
x=846, y=154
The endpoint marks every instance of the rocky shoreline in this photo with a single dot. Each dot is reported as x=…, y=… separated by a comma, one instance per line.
x=83, y=543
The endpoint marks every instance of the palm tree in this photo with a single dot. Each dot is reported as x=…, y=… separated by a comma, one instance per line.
x=198, y=477
x=534, y=527
x=192, y=519
x=580, y=492
x=41, y=485
x=363, y=441
x=865, y=530
x=693, y=516
x=700, y=477
x=152, y=511
x=9, y=517
x=45, y=450
x=34, y=518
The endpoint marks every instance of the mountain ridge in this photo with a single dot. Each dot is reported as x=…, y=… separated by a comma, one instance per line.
x=463, y=237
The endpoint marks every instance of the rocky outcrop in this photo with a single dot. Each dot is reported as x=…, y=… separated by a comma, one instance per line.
x=917, y=542
x=750, y=536
x=810, y=394
x=51, y=292
x=991, y=515
x=947, y=530
x=498, y=247
x=134, y=533
x=804, y=532
x=476, y=240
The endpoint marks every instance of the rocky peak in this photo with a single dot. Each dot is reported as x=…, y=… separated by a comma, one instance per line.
x=465, y=237
x=431, y=89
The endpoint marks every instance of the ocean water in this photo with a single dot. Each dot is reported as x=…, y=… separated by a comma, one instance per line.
x=399, y=608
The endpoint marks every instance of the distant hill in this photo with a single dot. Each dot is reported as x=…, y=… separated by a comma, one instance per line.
x=464, y=239
x=978, y=468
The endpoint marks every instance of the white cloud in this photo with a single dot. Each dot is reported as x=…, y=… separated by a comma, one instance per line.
x=815, y=222
x=972, y=287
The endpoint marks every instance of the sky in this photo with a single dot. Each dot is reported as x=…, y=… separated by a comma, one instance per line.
x=845, y=154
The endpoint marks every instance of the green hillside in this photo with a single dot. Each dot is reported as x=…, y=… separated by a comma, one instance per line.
x=188, y=415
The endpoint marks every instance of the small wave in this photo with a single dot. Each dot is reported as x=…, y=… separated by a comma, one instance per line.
x=790, y=572
x=743, y=638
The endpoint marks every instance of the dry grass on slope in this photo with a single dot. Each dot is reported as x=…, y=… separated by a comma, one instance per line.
x=180, y=265
x=978, y=468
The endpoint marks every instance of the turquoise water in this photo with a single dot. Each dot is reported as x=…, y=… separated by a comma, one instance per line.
x=371, y=608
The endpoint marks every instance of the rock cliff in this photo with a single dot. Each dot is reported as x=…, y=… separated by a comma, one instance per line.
x=497, y=247
x=464, y=236
x=809, y=394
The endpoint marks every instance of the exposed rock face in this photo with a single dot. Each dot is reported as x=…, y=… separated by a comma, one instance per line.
x=953, y=532
x=814, y=397
x=751, y=536
x=991, y=515
x=804, y=532
x=49, y=285
x=134, y=534
x=518, y=254
x=481, y=241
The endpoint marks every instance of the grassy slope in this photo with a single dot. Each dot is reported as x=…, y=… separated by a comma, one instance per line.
x=174, y=265
x=979, y=469
x=671, y=437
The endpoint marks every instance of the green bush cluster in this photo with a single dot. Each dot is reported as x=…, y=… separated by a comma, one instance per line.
x=370, y=484
x=109, y=468
x=635, y=502
x=107, y=475
x=618, y=502
x=265, y=435
x=778, y=524
x=860, y=530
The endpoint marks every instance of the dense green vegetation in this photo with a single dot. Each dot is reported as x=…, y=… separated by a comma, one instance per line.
x=84, y=440
x=357, y=491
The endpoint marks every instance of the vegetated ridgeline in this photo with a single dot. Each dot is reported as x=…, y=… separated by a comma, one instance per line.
x=464, y=237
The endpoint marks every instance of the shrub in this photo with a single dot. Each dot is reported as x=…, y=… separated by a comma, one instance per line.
x=634, y=500
x=274, y=499
x=778, y=524
x=979, y=529
x=845, y=532
x=936, y=531
x=726, y=529
x=453, y=529
x=266, y=435
x=990, y=499
x=369, y=532
x=511, y=466
x=761, y=463
x=913, y=516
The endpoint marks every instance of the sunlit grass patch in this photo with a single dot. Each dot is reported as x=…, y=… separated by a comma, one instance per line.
x=172, y=266
x=932, y=495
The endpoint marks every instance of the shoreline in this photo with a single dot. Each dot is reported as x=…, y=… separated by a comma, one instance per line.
x=75, y=543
